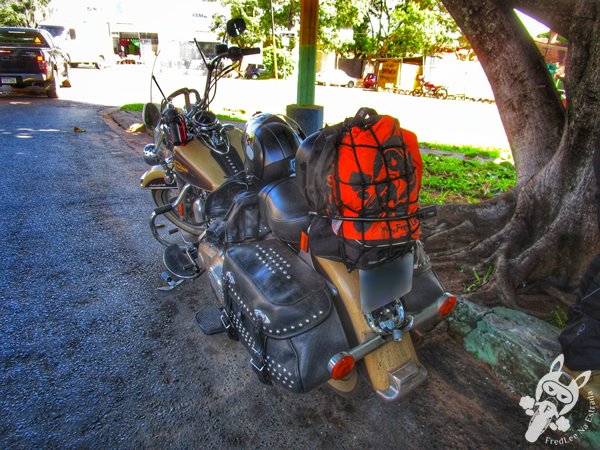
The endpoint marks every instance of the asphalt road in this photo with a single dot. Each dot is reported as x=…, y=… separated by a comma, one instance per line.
x=92, y=355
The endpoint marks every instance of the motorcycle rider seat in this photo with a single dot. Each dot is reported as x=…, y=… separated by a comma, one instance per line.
x=285, y=210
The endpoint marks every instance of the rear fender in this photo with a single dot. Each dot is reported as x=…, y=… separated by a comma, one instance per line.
x=155, y=178
x=384, y=363
x=380, y=285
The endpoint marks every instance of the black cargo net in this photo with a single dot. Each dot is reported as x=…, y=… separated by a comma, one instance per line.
x=380, y=228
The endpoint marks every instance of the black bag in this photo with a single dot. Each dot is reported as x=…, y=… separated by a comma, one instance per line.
x=580, y=339
x=234, y=213
x=243, y=220
x=282, y=312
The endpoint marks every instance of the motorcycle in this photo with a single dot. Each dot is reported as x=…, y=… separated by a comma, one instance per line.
x=173, y=128
x=428, y=89
x=305, y=320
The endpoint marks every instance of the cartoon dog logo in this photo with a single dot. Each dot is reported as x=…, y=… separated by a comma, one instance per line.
x=556, y=394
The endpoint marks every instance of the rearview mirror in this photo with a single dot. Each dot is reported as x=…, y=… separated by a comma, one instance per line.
x=235, y=27
x=151, y=115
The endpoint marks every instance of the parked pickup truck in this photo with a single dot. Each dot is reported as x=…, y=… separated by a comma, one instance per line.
x=29, y=58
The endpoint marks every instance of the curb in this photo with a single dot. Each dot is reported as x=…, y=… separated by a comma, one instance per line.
x=128, y=125
x=130, y=121
x=520, y=350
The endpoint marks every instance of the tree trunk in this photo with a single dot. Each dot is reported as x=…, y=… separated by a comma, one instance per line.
x=540, y=237
x=527, y=101
x=555, y=15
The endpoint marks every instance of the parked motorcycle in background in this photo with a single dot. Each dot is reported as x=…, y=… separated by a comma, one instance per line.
x=428, y=89
x=239, y=210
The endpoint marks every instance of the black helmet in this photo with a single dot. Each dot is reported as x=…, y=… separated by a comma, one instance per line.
x=270, y=142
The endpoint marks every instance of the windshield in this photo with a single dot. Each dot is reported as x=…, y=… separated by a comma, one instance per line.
x=54, y=30
x=178, y=65
x=25, y=38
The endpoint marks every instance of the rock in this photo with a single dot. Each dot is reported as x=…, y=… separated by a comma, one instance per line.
x=137, y=128
x=464, y=318
x=520, y=348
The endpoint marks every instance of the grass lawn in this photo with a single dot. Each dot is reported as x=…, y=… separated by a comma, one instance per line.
x=448, y=179
x=453, y=174
x=132, y=107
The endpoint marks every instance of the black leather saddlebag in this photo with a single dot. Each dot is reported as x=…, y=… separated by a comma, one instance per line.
x=282, y=312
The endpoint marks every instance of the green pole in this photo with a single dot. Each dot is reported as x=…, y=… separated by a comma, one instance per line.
x=305, y=112
x=309, y=16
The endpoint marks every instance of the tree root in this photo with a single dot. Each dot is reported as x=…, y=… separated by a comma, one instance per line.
x=523, y=261
x=460, y=226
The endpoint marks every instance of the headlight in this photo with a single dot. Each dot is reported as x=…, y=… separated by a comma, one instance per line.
x=151, y=155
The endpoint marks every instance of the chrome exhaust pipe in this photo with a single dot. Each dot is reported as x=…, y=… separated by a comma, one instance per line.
x=181, y=195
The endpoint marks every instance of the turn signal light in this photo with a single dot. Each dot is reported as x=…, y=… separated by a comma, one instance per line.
x=447, y=307
x=342, y=367
x=304, y=242
x=41, y=62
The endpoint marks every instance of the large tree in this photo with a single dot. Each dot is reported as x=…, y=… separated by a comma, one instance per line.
x=540, y=237
x=22, y=13
x=395, y=28
x=257, y=14
x=336, y=18
x=362, y=28
x=386, y=28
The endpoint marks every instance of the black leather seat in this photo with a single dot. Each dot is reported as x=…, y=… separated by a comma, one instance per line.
x=284, y=207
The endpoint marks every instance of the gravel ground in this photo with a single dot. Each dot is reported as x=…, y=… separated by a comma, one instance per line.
x=92, y=355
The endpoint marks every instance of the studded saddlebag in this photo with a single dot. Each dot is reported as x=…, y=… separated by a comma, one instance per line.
x=282, y=312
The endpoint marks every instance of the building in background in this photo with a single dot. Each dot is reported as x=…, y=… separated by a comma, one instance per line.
x=137, y=29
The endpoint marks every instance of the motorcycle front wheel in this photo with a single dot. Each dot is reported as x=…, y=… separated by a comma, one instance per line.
x=185, y=221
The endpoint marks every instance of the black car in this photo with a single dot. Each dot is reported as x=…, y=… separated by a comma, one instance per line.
x=253, y=71
x=29, y=58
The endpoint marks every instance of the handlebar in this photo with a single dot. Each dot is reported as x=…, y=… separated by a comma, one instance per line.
x=250, y=51
x=215, y=72
x=187, y=93
x=196, y=112
x=193, y=100
x=244, y=51
x=233, y=53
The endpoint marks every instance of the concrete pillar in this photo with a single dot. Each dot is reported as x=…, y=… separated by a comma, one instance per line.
x=309, y=117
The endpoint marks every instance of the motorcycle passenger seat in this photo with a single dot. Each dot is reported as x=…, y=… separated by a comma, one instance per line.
x=284, y=207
